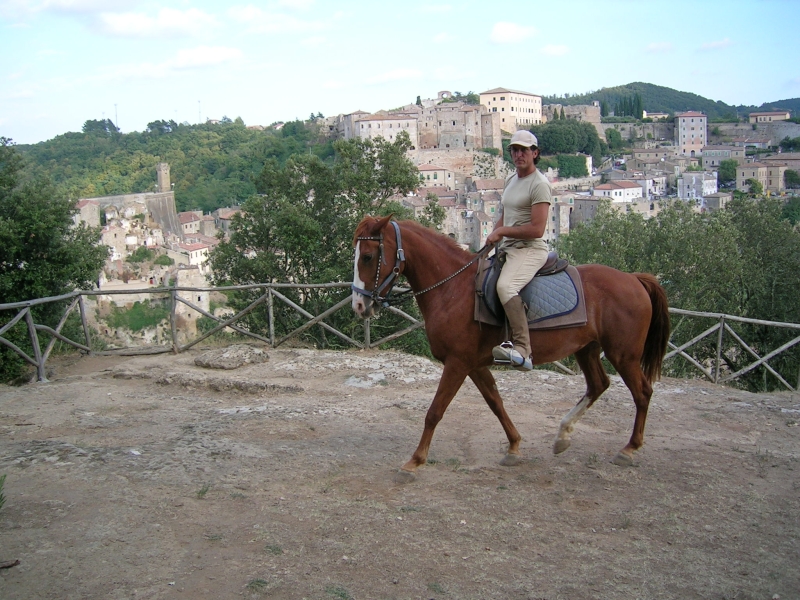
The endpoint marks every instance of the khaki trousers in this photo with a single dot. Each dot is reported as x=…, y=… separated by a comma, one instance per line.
x=520, y=267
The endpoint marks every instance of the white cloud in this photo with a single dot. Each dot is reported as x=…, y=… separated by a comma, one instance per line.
x=716, y=45
x=436, y=9
x=259, y=21
x=168, y=22
x=555, y=50
x=87, y=6
x=296, y=4
x=658, y=47
x=510, y=33
x=203, y=56
x=396, y=75
x=314, y=41
x=444, y=38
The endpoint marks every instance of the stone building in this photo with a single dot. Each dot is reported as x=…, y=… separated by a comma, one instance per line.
x=769, y=175
x=517, y=109
x=713, y=155
x=691, y=133
x=694, y=185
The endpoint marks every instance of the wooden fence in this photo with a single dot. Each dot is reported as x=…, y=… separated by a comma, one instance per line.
x=713, y=370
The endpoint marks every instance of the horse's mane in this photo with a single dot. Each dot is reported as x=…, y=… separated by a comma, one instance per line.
x=444, y=242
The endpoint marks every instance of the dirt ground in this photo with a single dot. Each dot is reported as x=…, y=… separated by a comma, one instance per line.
x=151, y=477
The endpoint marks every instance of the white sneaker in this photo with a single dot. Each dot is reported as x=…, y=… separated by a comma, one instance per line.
x=506, y=354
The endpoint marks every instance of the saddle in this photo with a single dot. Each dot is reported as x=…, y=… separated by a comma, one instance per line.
x=554, y=296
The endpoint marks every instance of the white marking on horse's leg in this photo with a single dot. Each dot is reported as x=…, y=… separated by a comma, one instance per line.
x=358, y=299
x=568, y=422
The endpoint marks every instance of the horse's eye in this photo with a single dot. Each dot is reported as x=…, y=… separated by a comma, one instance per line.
x=366, y=258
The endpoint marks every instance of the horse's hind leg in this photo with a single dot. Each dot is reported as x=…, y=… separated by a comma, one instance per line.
x=484, y=381
x=597, y=382
x=641, y=390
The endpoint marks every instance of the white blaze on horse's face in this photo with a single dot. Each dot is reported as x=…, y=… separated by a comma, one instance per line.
x=359, y=301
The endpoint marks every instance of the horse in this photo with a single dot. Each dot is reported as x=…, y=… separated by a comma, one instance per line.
x=627, y=318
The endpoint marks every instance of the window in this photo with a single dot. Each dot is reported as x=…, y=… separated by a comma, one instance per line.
x=502, y=97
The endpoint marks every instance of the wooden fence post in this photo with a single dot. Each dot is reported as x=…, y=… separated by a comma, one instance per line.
x=719, y=348
x=37, y=352
x=173, y=320
x=84, y=322
x=271, y=313
x=367, y=341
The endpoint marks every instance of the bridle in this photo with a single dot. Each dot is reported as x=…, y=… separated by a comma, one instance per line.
x=400, y=257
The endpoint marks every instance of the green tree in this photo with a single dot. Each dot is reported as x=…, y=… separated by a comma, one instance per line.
x=755, y=187
x=614, y=139
x=42, y=252
x=419, y=101
x=570, y=165
x=791, y=179
x=791, y=211
x=727, y=171
x=300, y=227
x=561, y=116
x=433, y=215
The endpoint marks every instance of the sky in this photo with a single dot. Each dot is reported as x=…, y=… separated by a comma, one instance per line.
x=134, y=62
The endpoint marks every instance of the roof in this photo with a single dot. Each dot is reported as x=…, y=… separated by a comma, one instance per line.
x=618, y=184
x=227, y=213
x=783, y=156
x=489, y=184
x=771, y=113
x=194, y=247
x=690, y=113
x=188, y=217
x=82, y=203
x=501, y=90
x=430, y=168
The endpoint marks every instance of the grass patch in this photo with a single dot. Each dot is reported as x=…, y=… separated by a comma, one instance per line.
x=338, y=592
x=257, y=585
x=273, y=549
x=201, y=493
x=2, y=497
x=436, y=588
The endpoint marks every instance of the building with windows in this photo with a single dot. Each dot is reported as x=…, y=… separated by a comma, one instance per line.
x=769, y=175
x=713, y=155
x=618, y=191
x=695, y=185
x=691, y=132
x=770, y=117
x=517, y=110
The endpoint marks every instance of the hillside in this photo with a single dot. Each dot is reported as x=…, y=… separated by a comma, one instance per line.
x=657, y=98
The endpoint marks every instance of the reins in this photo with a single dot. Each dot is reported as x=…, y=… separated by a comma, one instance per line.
x=400, y=258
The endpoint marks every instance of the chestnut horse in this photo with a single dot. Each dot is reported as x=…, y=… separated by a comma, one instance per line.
x=627, y=318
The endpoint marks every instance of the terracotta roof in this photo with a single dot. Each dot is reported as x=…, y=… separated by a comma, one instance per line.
x=227, y=213
x=489, y=184
x=82, y=203
x=193, y=247
x=617, y=184
x=691, y=113
x=187, y=217
x=430, y=168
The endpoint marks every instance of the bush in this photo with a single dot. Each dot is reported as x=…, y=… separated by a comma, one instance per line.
x=141, y=316
x=163, y=260
x=141, y=254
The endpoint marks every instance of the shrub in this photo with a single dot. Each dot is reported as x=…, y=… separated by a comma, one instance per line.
x=141, y=254
x=164, y=260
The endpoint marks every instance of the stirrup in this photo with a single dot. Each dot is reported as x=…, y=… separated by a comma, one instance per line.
x=505, y=354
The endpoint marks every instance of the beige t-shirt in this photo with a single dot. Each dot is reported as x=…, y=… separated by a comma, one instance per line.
x=519, y=195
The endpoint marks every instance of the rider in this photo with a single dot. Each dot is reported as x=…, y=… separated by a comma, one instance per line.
x=524, y=211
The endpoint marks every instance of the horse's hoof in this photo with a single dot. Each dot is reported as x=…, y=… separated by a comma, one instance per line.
x=560, y=446
x=511, y=460
x=402, y=477
x=623, y=460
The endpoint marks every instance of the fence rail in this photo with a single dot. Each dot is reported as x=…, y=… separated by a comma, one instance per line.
x=713, y=370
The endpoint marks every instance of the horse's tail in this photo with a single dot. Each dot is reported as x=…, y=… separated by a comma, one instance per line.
x=655, y=346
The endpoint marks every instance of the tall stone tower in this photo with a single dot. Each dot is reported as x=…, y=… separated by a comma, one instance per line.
x=162, y=170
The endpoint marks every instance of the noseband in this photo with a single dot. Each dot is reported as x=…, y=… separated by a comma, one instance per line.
x=400, y=257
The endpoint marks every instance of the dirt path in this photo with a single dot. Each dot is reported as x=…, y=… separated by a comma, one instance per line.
x=151, y=477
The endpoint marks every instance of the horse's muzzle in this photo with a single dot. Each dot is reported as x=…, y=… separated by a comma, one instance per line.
x=364, y=306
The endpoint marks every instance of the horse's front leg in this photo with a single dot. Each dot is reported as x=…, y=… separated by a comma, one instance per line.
x=484, y=380
x=453, y=376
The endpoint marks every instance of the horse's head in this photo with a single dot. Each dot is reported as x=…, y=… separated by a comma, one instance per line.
x=377, y=263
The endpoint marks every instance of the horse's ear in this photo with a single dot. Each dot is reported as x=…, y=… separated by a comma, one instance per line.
x=377, y=224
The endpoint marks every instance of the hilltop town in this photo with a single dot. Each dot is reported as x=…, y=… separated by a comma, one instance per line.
x=457, y=146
